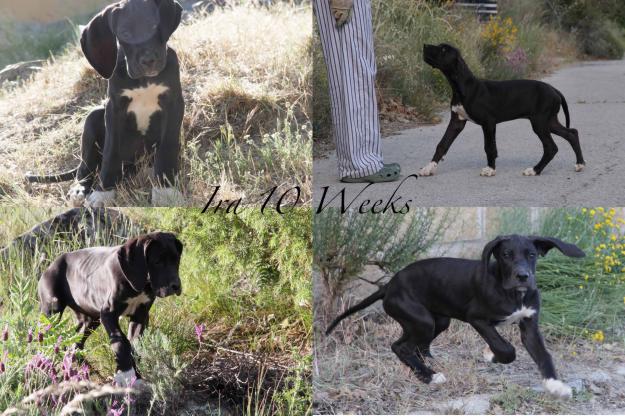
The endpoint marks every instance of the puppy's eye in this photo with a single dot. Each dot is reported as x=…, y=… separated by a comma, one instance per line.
x=507, y=253
x=531, y=255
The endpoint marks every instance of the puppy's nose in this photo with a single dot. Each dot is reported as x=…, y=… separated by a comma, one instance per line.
x=147, y=60
x=523, y=276
x=175, y=288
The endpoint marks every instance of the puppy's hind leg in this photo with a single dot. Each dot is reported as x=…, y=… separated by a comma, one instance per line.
x=549, y=147
x=441, y=323
x=91, y=147
x=571, y=136
x=86, y=326
x=418, y=331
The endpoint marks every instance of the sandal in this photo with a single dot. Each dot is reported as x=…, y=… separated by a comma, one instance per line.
x=389, y=173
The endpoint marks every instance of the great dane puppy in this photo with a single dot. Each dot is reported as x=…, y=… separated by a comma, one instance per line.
x=127, y=44
x=102, y=284
x=488, y=103
x=424, y=296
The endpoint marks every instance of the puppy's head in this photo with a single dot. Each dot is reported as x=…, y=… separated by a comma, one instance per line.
x=516, y=258
x=152, y=259
x=141, y=28
x=444, y=57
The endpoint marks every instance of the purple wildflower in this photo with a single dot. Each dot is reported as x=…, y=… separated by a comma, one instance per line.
x=199, y=330
x=5, y=333
x=29, y=338
x=83, y=373
x=40, y=337
x=117, y=412
x=68, y=371
x=2, y=367
x=57, y=345
x=41, y=363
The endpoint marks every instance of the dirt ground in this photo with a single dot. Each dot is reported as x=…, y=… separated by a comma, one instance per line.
x=355, y=371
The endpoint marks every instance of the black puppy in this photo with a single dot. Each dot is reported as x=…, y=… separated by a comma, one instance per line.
x=488, y=103
x=127, y=44
x=426, y=294
x=101, y=284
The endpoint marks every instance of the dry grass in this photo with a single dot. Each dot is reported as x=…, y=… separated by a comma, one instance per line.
x=355, y=371
x=246, y=81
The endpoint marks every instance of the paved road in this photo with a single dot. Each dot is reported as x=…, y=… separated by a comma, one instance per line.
x=595, y=92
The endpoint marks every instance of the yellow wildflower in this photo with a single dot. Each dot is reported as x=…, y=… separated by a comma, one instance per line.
x=598, y=336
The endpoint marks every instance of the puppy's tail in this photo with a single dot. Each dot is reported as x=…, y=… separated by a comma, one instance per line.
x=565, y=107
x=61, y=177
x=362, y=305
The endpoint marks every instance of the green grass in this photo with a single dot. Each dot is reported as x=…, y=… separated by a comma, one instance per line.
x=246, y=278
x=23, y=43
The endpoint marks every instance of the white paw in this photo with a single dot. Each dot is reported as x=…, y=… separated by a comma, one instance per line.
x=579, y=167
x=557, y=388
x=99, y=199
x=429, y=169
x=488, y=355
x=125, y=378
x=438, y=378
x=76, y=195
x=488, y=171
x=167, y=197
x=529, y=172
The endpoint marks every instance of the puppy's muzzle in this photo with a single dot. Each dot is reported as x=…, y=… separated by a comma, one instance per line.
x=172, y=289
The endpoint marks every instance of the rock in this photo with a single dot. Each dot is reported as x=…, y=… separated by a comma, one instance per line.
x=595, y=389
x=599, y=376
x=577, y=385
x=20, y=70
x=477, y=404
x=620, y=370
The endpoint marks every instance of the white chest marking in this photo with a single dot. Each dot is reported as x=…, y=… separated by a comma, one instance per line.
x=134, y=303
x=517, y=315
x=144, y=103
x=462, y=113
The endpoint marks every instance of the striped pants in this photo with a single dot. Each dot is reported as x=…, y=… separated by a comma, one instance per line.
x=350, y=60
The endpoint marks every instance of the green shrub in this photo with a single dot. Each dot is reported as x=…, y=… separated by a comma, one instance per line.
x=598, y=26
x=345, y=243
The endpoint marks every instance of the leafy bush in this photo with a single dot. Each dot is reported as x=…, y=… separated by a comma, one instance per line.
x=593, y=23
x=345, y=243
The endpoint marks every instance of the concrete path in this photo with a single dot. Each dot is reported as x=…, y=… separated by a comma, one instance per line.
x=595, y=92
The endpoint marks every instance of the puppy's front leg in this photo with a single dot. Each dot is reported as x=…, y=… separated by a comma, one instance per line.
x=166, y=169
x=111, y=170
x=490, y=147
x=533, y=342
x=503, y=352
x=121, y=348
x=138, y=322
x=456, y=125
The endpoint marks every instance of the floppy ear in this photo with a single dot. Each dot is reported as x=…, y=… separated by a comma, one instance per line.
x=179, y=246
x=133, y=260
x=170, y=12
x=544, y=244
x=99, y=44
x=488, y=251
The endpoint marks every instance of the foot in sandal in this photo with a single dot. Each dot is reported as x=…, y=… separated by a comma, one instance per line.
x=389, y=173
